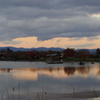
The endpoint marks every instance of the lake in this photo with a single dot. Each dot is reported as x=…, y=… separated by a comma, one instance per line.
x=41, y=81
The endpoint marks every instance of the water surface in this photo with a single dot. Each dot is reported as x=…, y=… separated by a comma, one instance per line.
x=42, y=81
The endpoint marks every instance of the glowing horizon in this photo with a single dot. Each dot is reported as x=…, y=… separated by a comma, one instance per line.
x=33, y=42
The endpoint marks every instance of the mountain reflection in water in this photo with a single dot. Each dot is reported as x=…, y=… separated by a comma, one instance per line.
x=61, y=72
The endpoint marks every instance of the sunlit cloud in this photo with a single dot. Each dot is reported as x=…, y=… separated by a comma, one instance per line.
x=96, y=15
x=33, y=42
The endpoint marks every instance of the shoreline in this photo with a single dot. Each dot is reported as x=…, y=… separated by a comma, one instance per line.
x=64, y=60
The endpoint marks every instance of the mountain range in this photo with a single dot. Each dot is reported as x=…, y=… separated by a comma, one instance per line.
x=41, y=49
x=31, y=49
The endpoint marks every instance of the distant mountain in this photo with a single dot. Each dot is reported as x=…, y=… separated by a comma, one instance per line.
x=46, y=49
x=90, y=50
x=43, y=49
x=31, y=49
x=14, y=48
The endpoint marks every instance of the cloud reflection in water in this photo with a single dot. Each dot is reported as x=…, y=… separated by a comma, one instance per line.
x=58, y=73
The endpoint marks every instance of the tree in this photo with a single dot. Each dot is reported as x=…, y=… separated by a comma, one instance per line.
x=9, y=50
x=69, y=52
x=98, y=51
x=83, y=53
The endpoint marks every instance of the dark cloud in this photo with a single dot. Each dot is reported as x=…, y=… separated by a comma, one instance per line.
x=51, y=4
x=75, y=39
x=11, y=42
x=93, y=38
x=48, y=19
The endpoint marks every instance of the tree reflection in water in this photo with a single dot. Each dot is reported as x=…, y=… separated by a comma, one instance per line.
x=54, y=72
x=69, y=70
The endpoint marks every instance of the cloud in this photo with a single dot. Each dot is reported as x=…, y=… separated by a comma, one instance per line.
x=49, y=19
x=94, y=38
x=11, y=42
x=75, y=39
x=31, y=42
x=81, y=45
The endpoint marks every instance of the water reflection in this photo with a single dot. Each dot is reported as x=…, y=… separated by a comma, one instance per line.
x=58, y=73
x=55, y=79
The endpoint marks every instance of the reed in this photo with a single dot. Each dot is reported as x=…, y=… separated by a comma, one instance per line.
x=1, y=96
x=7, y=93
x=43, y=95
x=13, y=89
x=19, y=90
x=28, y=94
x=95, y=92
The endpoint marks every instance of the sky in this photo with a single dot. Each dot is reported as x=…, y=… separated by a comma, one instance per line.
x=50, y=23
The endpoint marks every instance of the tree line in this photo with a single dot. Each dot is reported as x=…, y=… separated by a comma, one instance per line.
x=69, y=53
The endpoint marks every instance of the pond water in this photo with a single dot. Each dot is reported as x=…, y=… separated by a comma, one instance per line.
x=42, y=81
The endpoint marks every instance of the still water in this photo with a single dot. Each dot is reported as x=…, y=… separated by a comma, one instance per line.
x=42, y=81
